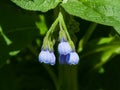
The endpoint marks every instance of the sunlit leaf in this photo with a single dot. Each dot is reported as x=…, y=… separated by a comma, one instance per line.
x=41, y=24
x=37, y=5
x=103, y=11
x=13, y=53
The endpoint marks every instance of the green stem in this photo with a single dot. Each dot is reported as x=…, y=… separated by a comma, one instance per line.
x=52, y=75
x=62, y=22
x=68, y=77
x=63, y=27
x=52, y=28
x=67, y=74
x=86, y=37
x=47, y=42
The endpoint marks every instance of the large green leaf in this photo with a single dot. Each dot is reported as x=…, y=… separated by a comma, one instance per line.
x=37, y=5
x=100, y=11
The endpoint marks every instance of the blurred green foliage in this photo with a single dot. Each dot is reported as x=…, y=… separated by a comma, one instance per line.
x=22, y=32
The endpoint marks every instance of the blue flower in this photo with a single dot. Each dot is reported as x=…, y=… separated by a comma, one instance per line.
x=64, y=48
x=72, y=58
x=62, y=58
x=67, y=54
x=47, y=57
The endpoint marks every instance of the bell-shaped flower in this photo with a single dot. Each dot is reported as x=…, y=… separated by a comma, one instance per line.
x=47, y=57
x=64, y=48
x=72, y=59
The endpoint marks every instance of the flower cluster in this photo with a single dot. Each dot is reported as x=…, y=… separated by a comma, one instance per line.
x=47, y=57
x=67, y=54
x=66, y=49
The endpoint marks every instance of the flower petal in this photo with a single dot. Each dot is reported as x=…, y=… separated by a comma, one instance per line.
x=62, y=59
x=64, y=48
x=52, y=59
x=73, y=59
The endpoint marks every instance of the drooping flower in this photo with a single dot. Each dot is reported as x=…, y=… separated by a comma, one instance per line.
x=64, y=48
x=72, y=59
x=47, y=57
x=67, y=54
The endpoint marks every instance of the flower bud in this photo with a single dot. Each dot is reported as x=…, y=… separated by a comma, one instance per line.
x=64, y=48
x=72, y=59
x=47, y=57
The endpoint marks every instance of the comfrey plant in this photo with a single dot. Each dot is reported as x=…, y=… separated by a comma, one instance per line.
x=66, y=49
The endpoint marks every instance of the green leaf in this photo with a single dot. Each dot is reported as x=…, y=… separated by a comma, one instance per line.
x=17, y=30
x=8, y=41
x=3, y=51
x=37, y=5
x=100, y=11
x=13, y=53
x=109, y=44
x=117, y=28
x=41, y=24
x=106, y=55
x=98, y=52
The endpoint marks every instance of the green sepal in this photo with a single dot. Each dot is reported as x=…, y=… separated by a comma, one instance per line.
x=62, y=35
x=48, y=44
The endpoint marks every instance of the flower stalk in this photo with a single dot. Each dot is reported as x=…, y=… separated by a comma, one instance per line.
x=68, y=79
